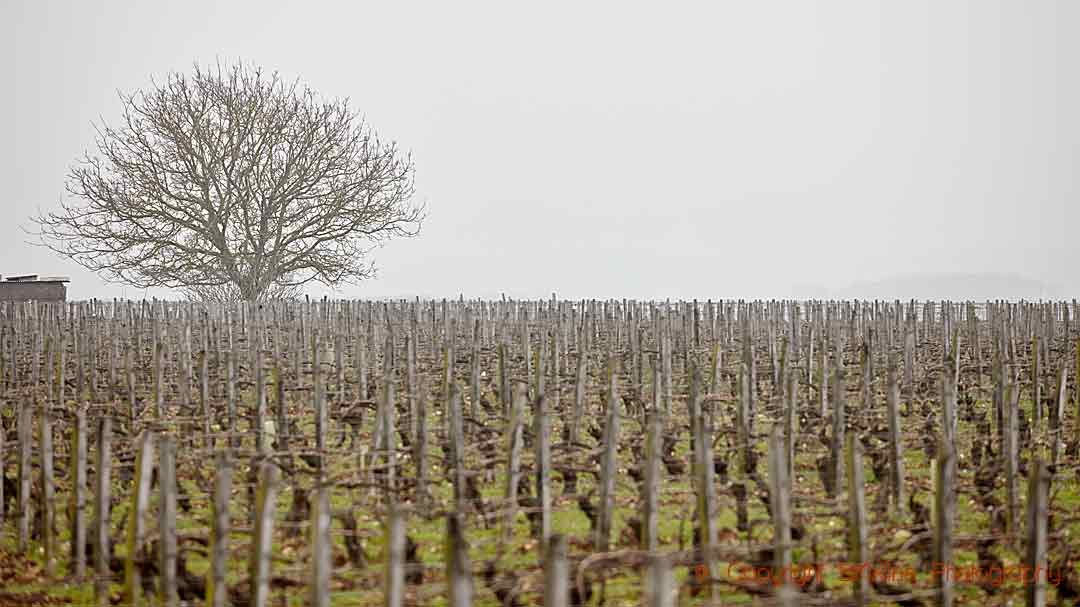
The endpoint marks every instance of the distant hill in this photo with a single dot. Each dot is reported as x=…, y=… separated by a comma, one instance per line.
x=952, y=286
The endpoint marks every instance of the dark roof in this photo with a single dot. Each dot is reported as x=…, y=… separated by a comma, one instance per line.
x=35, y=278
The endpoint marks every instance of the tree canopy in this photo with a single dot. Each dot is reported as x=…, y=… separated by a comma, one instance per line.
x=233, y=184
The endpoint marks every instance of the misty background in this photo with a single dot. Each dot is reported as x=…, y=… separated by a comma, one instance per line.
x=767, y=149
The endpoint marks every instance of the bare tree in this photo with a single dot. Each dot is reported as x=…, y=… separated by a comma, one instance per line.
x=231, y=184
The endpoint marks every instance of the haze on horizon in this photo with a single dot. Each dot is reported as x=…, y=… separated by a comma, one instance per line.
x=766, y=149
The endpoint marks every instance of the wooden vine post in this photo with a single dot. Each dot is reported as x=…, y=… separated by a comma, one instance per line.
x=608, y=466
x=103, y=498
x=556, y=573
x=136, y=524
x=394, y=572
x=458, y=571
x=320, y=547
x=216, y=590
x=944, y=523
x=1038, y=512
x=780, y=503
x=262, y=552
x=858, y=546
x=167, y=567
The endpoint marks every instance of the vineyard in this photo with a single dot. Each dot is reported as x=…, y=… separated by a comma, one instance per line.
x=558, y=453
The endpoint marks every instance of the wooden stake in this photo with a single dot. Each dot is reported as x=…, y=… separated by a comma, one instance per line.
x=216, y=590
x=1038, y=511
x=103, y=497
x=167, y=510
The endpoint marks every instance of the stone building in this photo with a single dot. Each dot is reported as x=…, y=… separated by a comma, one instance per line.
x=30, y=287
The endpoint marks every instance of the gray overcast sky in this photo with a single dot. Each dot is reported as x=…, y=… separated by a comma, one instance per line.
x=727, y=149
